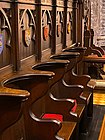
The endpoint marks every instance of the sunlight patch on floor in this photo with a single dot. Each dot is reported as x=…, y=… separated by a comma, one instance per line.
x=99, y=99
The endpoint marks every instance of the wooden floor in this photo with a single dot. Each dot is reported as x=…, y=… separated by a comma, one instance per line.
x=102, y=130
x=96, y=128
x=99, y=98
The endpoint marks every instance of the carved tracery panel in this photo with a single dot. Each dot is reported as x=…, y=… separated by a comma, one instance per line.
x=69, y=26
x=46, y=29
x=27, y=28
x=59, y=27
x=5, y=37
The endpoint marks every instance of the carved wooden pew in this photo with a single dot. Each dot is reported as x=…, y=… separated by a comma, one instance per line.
x=36, y=126
x=61, y=91
x=100, y=49
x=72, y=79
x=93, y=50
x=82, y=79
x=10, y=106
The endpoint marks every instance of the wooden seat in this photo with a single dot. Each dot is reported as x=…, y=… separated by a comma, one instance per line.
x=66, y=127
x=36, y=127
x=61, y=91
x=10, y=106
x=71, y=78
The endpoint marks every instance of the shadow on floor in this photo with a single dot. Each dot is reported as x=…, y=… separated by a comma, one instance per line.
x=95, y=123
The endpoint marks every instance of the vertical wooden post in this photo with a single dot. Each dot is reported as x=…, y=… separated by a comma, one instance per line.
x=53, y=34
x=87, y=38
x=64, y=24
x=38, y=29
x=92, y=35
x=80, y=23
x=15, y=36
x=74, y=24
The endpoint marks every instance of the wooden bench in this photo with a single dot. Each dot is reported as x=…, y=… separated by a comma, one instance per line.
x=72, y=79
x=37, y=127
x=84, y=80
x=61, y=91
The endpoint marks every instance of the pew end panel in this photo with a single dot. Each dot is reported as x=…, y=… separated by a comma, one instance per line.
x=11, y=106
x=36, y=126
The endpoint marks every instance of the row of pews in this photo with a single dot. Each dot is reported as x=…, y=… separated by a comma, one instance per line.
x=53, y=100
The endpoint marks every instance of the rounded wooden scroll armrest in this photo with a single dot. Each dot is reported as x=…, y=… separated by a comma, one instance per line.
x=95, y=51
x=99, y=49
x=56, y=66
x=70, y=91
x=91, y=84
x=74, y=49
x=60, y=106
x=65, y=56
x=79, y=79
x=10, y=92
x=51, y=65
x=44, y=128
x=10, y=106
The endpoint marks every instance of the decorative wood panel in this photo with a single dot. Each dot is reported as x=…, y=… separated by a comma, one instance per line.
x=69, y=22
x=69, y=27
x=46, y=29
x=59, y=24
x=27, y=29
x=5, y=37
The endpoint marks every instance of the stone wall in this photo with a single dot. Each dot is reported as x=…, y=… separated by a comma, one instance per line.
x=95, y=19
x=98, y=21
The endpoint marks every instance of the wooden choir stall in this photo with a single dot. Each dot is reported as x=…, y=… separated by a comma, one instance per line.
x=45, y=93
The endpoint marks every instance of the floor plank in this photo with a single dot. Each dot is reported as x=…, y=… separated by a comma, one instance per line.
x=94, y=125
x=102, y=131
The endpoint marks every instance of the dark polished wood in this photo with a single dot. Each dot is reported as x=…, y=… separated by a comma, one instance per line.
x=23, y=44
x=10, y=106
x=62, y=91
x=72, y=79
x=38, y=104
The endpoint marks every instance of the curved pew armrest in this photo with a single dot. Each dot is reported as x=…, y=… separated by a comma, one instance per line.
x=61, y=106
x=95, y=51
x=91, y=84
x=10, y=92
x=71, y=90
x=47, y=126
x=99, y=49
x=65, y=55
x=74, y=49
x=80, y=79
x=44, y=121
